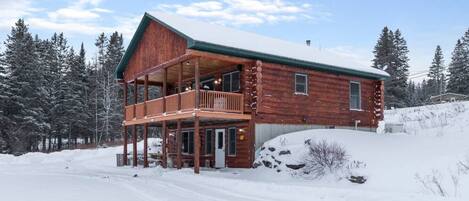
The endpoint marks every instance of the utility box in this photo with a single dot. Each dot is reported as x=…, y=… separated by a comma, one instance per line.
x=393, y=128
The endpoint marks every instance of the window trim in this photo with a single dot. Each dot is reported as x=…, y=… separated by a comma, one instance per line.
x=229, y=144
x=211, y=140
x=231, y=78
x=306, y=84
x=359, y=96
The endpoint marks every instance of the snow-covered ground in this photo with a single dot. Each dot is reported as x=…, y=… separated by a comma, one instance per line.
x=437, y=139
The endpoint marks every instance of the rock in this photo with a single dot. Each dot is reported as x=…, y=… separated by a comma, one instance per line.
x=256, y=164
x=357, y=179
x=284, y=152
x=278, y=170
x=275, y=166
x=295, y=166
x=262, y=148
x=272, y=149
x=267, y=163
x=135, y=175
x=278, y=162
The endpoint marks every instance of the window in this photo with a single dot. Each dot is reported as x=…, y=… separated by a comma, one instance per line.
x=208, y=141
x=188, y=142
x=231, y=81
x=355, y=94
x=207, y=84
x=232, y=141
x=301, y=83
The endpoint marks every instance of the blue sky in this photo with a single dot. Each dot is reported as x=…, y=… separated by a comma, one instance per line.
x=345, y=27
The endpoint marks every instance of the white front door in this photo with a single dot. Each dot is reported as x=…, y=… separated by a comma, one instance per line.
x=219, y=148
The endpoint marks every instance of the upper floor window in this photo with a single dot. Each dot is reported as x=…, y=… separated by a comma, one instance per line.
x=355, y=96
x=231, y=81
x=301, y=83
x=207, y=84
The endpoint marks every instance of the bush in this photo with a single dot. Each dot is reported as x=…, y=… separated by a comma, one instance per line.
x=323, y=158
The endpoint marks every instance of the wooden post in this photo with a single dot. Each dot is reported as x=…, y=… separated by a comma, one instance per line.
x=196, y=145
x=124, y=133
x=165, y=87
x=197, y=83
x=145, y=126
x=134, y=143
x=179, y=85
x=163, y=136
x=145, y=145
x=178, y=145
x=134, y=131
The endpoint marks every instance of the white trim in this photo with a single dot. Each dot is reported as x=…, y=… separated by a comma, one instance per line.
x=359, y=96
x=306, y=84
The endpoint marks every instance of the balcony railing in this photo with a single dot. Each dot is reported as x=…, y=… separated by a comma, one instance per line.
x=214, y=101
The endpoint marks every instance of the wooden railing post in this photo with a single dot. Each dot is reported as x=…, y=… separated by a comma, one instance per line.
x=145, y=94
x=135, y=96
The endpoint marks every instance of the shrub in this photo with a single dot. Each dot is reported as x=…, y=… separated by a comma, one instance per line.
x=323, y=158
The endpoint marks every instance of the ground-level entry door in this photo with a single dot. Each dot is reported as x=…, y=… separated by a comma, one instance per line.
x=220, y=148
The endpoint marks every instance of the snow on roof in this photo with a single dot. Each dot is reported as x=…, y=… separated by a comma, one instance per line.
x=228, y=37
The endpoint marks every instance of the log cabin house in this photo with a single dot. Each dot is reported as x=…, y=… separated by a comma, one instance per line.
x=224, y=92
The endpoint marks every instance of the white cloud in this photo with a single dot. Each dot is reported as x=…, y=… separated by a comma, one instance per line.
x=79, y=10
x=238, y=12
x=12, y=10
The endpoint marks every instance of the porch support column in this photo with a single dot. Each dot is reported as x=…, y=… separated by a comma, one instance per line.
x=134, y=129
x=178, y=145
x=165, y=88
x=163, y=136
x=124, y=132
x=196, y=146
x=196, y=119
x=145, y=126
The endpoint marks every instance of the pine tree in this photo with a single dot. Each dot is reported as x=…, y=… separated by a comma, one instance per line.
x=391, y=56
x=23, y=88
x=437, y=73
x=458, y=78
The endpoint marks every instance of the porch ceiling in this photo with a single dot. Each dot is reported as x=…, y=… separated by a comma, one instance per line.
x=206, y=67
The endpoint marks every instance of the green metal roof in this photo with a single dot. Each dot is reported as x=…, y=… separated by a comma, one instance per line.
x=220, y=49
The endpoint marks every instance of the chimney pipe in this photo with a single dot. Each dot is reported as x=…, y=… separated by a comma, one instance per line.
x=308, y=42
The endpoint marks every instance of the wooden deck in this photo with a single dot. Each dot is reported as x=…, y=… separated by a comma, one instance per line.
x=212, y=104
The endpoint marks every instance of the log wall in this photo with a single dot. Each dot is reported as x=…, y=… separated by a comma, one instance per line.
x=327, y=102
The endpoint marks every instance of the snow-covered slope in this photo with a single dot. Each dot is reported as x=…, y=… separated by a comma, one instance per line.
x=436, y=142
x=392, y=164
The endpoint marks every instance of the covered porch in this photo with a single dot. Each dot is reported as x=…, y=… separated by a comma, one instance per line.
x=197, y=87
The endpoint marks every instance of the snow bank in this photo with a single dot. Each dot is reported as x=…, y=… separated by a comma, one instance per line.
x=397, y=162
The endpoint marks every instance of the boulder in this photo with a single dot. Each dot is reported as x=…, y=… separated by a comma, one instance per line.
x=295, y=166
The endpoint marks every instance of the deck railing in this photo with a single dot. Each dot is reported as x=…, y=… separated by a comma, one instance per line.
x=215, y=101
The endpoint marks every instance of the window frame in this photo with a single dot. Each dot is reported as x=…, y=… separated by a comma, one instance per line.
x=211, y=142
x=305, y=84
x=188, y=143
x=231, y=81
x=229, y=141
x=359, y=96
x=207, y=80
